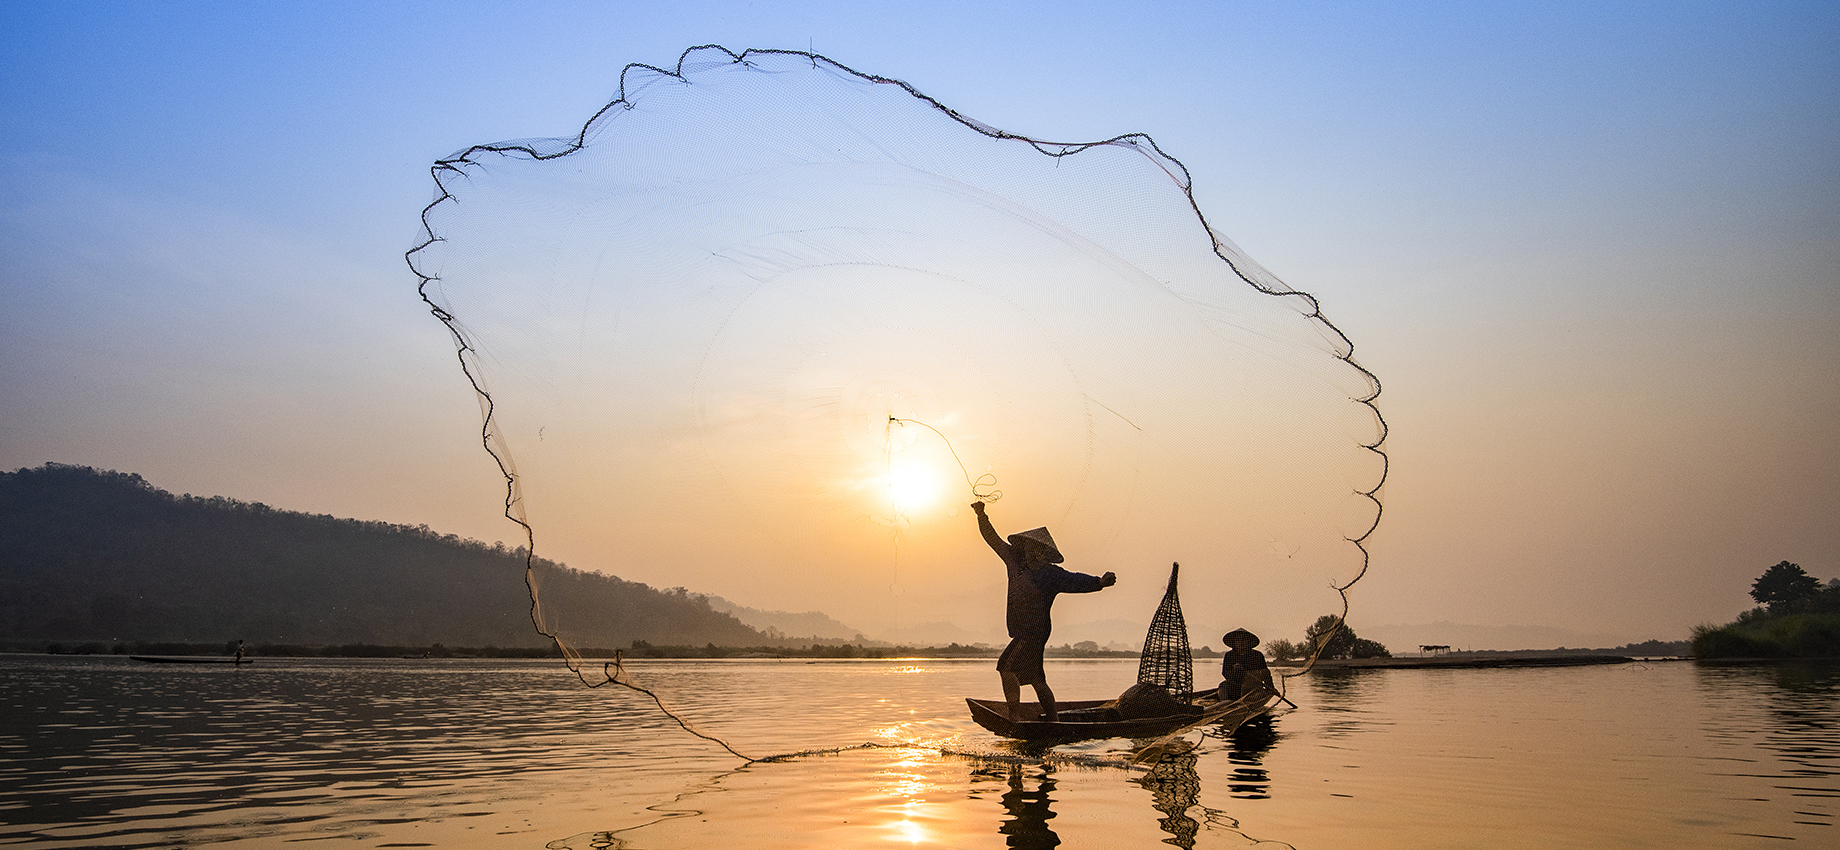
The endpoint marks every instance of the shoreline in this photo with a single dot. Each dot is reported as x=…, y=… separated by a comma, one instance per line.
x=1462, y=662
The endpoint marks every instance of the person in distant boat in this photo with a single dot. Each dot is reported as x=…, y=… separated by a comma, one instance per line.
x=239, y=652
x=1035, y=578
x=1242, y=668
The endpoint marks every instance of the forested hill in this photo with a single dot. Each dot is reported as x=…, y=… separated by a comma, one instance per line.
x=92, y=555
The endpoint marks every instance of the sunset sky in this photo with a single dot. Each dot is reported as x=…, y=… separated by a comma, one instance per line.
x=1591, y=250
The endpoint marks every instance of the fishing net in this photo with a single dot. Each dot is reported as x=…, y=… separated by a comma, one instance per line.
x=767, y=325
x=1166, y=659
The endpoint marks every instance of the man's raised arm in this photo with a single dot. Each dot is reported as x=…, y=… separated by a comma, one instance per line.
x=996, y=541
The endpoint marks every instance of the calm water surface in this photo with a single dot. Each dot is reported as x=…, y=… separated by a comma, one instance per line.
x=104, y=752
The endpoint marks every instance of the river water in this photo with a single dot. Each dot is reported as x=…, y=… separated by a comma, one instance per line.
x=106, y=752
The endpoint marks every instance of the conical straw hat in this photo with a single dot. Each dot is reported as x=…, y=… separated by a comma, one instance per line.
x=1040, y=537
x=1239, y=638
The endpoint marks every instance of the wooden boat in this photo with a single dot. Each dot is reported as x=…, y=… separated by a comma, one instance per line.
x=190, y=659
x=1081, y=720
x=1165, y=664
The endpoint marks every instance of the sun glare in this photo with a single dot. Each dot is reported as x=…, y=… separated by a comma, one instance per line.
x=912, y=487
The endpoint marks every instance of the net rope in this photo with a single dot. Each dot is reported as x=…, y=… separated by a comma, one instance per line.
x=431, y=259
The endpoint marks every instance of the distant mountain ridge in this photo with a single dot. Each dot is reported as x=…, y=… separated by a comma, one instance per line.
x=102, y=555
x=785, y=624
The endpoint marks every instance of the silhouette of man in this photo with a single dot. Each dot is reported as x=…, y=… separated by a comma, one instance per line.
x=1242, y=667
x=1035, y=578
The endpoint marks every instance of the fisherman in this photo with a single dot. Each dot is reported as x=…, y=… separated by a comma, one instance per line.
x=1242, y=668
x=1035, y=577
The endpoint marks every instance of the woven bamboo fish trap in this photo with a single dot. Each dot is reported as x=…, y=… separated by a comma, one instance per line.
x=1166, y=660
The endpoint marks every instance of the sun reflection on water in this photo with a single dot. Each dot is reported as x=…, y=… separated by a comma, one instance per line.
x=909, y=831
x=907, y=778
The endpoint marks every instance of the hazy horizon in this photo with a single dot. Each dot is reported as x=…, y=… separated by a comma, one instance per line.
x=1116, y=633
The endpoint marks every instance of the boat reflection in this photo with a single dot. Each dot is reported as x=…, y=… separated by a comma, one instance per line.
x=1027, y=810
x=1246, y=749
x=1173, y=782
x=1175, y=792
x=1175, y=788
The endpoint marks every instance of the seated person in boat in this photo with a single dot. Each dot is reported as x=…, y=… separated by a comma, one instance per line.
x=1242, y=668
x=1035, y=578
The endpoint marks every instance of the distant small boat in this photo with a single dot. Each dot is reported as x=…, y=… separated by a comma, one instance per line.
x=1081, y=720
x=190, y=659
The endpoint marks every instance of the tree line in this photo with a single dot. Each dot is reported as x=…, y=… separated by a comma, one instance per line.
x=1328, y=637
x=88, y=555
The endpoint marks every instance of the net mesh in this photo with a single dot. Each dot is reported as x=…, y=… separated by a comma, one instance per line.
x=1166, y=659
x=706, y=331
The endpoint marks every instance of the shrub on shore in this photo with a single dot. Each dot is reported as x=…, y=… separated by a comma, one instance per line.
x=1799, y=619
x=1814, y=635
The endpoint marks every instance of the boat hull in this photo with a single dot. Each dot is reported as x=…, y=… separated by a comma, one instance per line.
x=993, y=714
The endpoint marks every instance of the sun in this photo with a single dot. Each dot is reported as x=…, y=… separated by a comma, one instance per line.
x=912, y=485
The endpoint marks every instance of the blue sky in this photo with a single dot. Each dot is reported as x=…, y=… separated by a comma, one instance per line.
x=1593, y=250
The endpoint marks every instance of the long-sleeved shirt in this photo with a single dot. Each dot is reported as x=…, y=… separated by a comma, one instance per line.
x=1032, y=588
